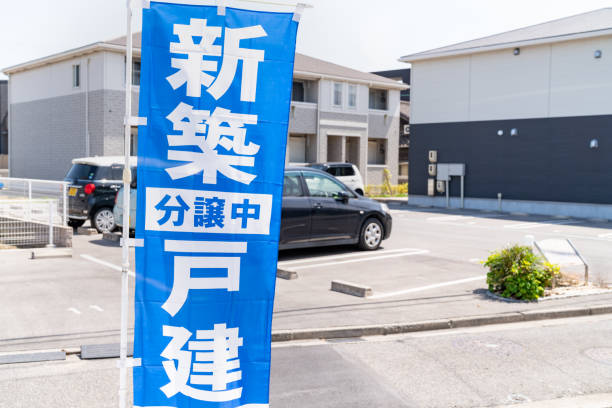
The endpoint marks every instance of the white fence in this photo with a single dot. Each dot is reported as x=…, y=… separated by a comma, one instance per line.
x=32, y=189
x=28, y=222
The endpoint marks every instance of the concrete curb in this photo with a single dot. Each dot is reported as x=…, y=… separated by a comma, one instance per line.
x=86, y=231
x=111, y=236
x=95, y=351
x=48, y=253
x=352, y=289
x=32, y=356
x=429, y=325
x=286, y=274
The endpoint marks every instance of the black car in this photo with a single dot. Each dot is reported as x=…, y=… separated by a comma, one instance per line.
x=94, y=182
x=319, y=210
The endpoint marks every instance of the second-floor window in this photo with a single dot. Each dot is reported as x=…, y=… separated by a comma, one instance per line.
x=76, y=76
x=352, y=96
x=297, y=92
x=337, y=97
x=378, y=99
x=136, y=73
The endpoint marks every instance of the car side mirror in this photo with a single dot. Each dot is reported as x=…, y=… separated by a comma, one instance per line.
x=342, y=196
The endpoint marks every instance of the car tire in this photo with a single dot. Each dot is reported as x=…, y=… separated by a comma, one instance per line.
x=103, y=220
x=359, y=191
x=75, y=223
x=371, y=235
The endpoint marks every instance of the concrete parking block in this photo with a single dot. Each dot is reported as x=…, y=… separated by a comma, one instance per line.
x=286, y=274
x=47, y=253
x=93, y=351
x=86, y=231
x=353, y=289
x=112, y=236
x=32, y=356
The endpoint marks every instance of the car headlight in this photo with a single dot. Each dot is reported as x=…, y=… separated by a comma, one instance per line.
x=385, y=208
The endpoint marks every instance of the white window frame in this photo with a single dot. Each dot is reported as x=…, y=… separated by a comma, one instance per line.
x=348, y=96
x=333, y=101
x=76, y=76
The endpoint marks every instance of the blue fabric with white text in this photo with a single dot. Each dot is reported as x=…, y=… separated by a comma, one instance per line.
x=216, y=92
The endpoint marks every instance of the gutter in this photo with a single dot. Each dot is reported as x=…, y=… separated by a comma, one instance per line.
x=427, y=55
x=375, y=84
x=66, y=55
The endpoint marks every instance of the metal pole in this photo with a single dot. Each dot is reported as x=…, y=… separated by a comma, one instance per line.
x=65, y=203
x=127, y=178
x=462, y=190
x=499, y=202
x=447, y=195
x=50, y=245
x=30, y=189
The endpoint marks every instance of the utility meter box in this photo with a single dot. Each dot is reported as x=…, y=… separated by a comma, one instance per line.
x=433, y=156
x=431, y=185
x=441, y=186
x=432, y=170
x=446, y=171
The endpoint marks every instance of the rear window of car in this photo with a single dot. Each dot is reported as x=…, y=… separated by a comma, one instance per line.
x=90, y=172
x=341, y=171
x=82, y=172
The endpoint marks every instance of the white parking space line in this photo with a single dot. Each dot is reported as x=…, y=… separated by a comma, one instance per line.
x=74, y=310
x=375, y=258
x=422, y=288
x=475, y=260
x=607, y=235
x=530, y=225
x=107, y=264
x=351, y=255
x=96, y=308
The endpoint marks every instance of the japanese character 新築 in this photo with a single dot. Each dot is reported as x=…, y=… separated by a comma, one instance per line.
x=212, y=135
x=203, y=58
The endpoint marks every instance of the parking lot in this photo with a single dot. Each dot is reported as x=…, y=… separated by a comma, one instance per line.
x=430, y=268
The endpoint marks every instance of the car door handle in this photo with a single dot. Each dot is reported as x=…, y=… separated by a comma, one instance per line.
x=317, y=206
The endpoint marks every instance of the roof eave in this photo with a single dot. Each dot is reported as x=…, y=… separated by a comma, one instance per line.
x=379, y=84
x=62, y=56
x=495, y=47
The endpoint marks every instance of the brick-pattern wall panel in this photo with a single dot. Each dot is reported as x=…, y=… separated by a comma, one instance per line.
x=47, y=135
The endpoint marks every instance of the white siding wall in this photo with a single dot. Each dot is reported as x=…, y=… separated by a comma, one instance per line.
x=562, y=79
x=51, y=81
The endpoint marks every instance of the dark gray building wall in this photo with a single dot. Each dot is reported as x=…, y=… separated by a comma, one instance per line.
x=549, y=160
x=4, y=117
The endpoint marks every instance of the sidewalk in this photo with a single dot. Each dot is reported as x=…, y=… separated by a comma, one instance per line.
x=430, y=306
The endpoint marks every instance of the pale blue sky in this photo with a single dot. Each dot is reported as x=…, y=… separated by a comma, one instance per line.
x=366, y=35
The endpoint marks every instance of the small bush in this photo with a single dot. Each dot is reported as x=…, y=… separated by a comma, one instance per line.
x=516, y=272
x=397, y=190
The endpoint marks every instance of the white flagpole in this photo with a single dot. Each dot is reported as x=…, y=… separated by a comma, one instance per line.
x=127, y=180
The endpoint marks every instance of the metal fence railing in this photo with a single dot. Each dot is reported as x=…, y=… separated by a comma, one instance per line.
x=32, y=189
x=26, y=223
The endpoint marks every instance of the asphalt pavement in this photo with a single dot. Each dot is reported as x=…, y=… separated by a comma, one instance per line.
x=429, y=269
x=558, y=362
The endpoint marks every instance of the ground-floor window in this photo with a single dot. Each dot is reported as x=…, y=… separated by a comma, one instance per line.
x=377, y=151
x=297, y=149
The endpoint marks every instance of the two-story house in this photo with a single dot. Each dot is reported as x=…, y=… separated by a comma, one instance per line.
x=527, y=112
x=71, y=104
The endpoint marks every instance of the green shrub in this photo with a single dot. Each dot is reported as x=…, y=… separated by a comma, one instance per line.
x=516, y=272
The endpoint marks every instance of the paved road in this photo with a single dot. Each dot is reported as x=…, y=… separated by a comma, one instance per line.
x=69, y=302
x=481, y=367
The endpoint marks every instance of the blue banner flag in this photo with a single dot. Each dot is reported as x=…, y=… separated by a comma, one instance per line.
x=216, y=90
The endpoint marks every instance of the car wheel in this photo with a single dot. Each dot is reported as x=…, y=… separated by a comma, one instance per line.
x=359, y=191
x=75, y=223
x=103, y=220
x=371, y=235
